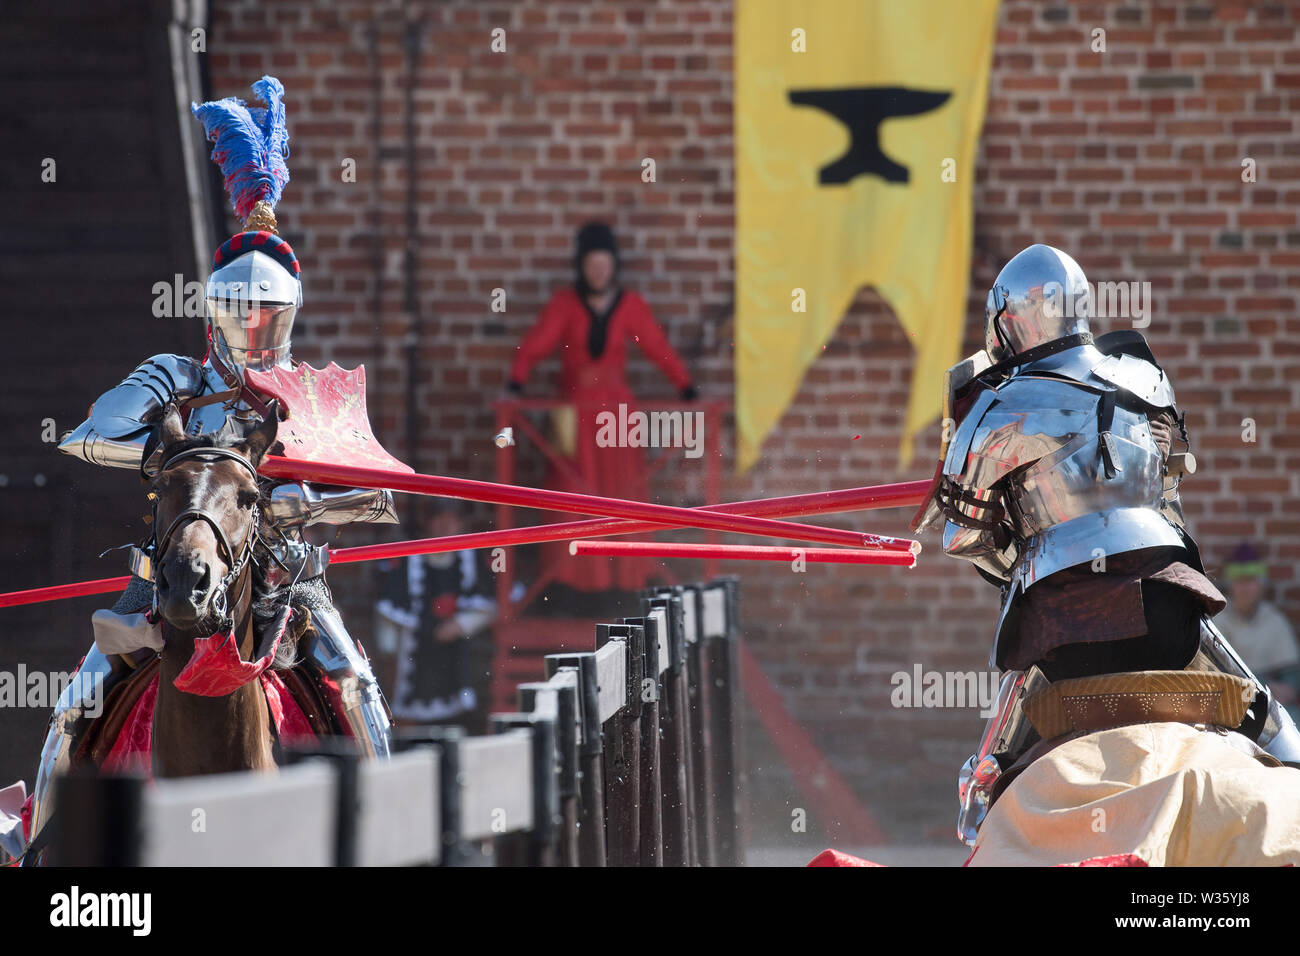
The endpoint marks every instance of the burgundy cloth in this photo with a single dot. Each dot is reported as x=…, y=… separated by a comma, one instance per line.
x=1078, y=605
x=600, y=384
x=131, y=750
x=838, y=858
x=215, y=669
x=444, y=606
x=1115, y=859
x=291, y=723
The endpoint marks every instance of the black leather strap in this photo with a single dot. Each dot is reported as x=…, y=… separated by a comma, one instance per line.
x=993, y=372
x=1105, y=441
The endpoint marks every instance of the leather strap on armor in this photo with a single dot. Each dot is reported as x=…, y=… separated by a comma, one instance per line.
x=994, y=372
x=237, y=383
x=1105, y=442
x=1071, y=709
x=1089, y=704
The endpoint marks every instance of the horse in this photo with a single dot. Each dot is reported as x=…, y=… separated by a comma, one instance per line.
x=223, y=624
x=232, y=683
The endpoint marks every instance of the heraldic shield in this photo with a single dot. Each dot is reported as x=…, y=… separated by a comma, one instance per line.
x=327, y=418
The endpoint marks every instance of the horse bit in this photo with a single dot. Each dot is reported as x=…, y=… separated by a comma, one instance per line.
x=219, y=600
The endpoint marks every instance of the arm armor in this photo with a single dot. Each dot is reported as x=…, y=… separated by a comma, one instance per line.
x=119, y=422
x=976, y=529
x=302, y=503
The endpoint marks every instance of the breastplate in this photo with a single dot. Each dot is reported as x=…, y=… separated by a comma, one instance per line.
x=1065, y=506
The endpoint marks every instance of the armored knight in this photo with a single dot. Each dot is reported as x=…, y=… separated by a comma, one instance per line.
x=1060, y=484
x=252, y=298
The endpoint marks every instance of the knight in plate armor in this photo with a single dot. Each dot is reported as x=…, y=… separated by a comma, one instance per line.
x=252, y=299
x=1061, y=485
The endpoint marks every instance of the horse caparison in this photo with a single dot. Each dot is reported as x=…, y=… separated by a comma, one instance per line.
x=209, y=515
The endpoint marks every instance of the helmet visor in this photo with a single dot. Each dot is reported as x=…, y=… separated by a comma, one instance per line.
x=252, y=326
x=995, y=343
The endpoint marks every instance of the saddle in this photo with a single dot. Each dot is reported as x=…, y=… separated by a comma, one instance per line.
x=120, y=716
x=119, y=703
x=1069, y=709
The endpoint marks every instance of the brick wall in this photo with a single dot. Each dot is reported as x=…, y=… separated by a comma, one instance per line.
x=1131, y=159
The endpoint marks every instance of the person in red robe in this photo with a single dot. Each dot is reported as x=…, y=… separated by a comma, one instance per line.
x=591, y=325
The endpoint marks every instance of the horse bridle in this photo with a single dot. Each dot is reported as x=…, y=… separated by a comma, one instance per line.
x=236, y=563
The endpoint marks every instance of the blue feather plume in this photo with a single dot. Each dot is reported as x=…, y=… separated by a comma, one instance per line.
x=251, y=144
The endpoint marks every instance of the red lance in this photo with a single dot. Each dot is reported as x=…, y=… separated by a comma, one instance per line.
x=899, y=495
x=544, y=499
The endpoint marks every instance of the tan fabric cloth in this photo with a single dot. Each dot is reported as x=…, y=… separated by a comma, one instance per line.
x=1167, y=793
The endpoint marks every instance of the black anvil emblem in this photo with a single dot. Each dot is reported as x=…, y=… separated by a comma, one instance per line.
x=862, y=109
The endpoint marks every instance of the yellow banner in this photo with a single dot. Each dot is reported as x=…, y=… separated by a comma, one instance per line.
x=857, y=124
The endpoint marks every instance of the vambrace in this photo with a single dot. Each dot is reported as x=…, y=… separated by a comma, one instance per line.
x=976, y=528
x=301, y=503
x=118, y=426
x=86, y=443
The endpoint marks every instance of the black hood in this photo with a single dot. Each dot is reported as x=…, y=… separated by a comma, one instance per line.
x=592, y=237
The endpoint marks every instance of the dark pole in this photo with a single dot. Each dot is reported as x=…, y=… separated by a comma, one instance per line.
x=673, y=760
x=591, y=757
x=411, y=304
x=652, y=845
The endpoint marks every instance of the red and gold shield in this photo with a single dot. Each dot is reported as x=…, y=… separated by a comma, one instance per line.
x=327, y=420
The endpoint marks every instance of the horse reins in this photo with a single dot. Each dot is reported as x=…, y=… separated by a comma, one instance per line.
x=237, y=562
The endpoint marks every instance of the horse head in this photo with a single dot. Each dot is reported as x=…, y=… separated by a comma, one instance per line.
x=206, y=517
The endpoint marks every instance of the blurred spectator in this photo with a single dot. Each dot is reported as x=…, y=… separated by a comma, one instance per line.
x=1257, y=629
x=439, y=606
x=591, y=324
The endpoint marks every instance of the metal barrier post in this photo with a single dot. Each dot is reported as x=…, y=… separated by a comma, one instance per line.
x=674, y=769
x=536, y=847
x=98, y=820
x=724, y=692
x=700, y=742
x=342, y=753
x=557, y=698
x=650, y=691
x=623, y=751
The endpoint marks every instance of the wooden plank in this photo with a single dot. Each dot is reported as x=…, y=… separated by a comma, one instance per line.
x=286, y=818
x=496, y=785
x=690, y=615
x=399, y=822
x=660, y=616
x=611, y=674
x=713, y=623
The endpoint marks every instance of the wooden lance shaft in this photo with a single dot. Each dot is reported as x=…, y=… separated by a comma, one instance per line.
x=467, y=489
x=907, y=494
x=741, y=552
